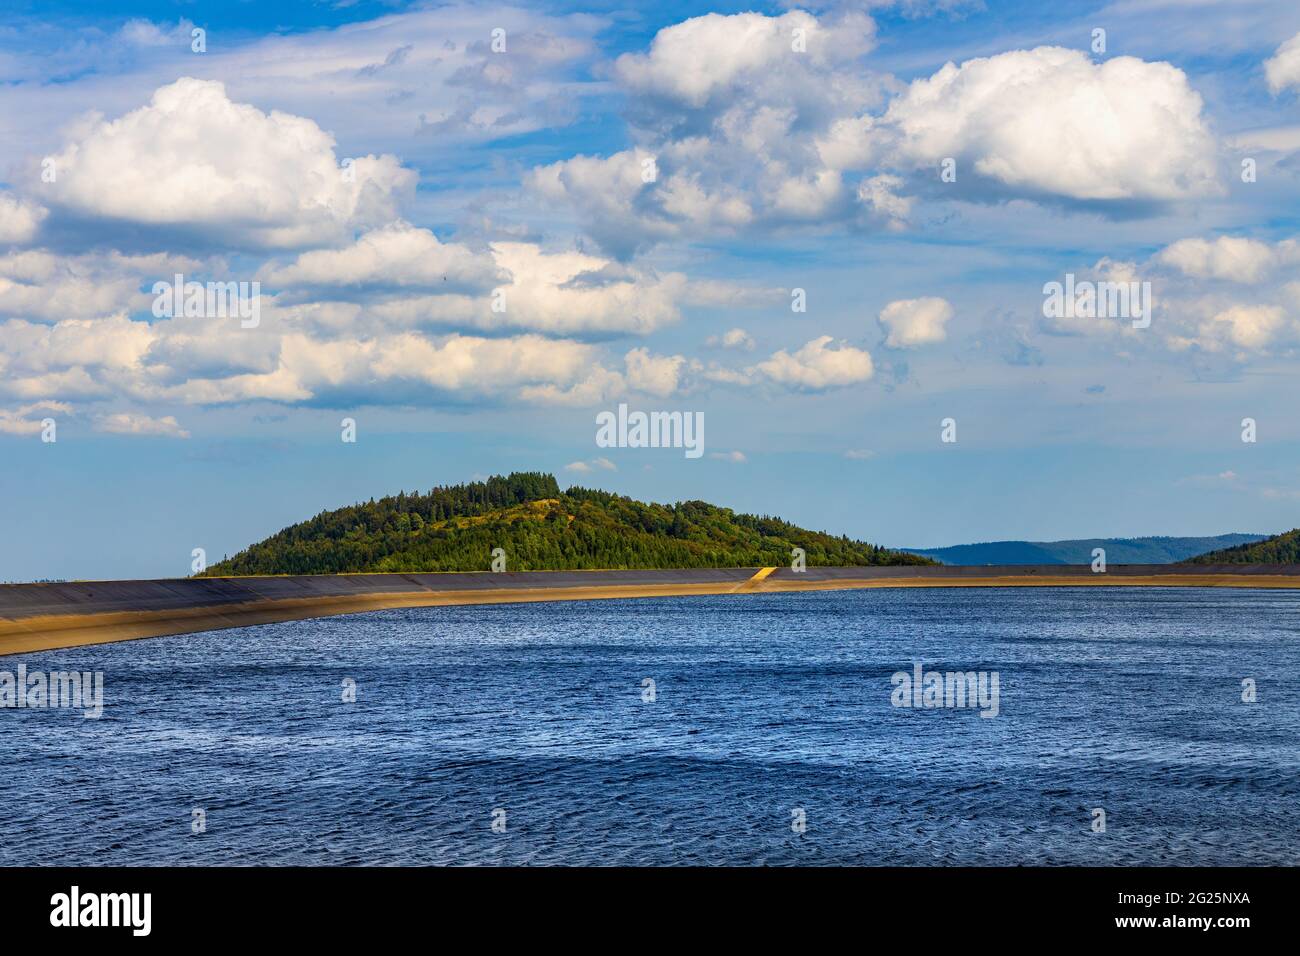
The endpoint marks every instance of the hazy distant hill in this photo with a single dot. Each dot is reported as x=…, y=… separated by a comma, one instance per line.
x=1279, y=549
x=541, y=528
x=1118, y=550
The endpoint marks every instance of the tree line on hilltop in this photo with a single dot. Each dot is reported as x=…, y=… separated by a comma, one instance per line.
x=541, y=528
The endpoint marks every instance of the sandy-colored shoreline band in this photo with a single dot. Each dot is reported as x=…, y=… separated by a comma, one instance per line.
x=65, y=623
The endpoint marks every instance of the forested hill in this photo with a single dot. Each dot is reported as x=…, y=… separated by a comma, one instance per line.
x=1279, y=549
x=541, y=528
x=1079, y=551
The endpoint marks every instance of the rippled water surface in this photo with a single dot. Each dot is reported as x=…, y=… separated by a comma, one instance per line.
x=1124, y=699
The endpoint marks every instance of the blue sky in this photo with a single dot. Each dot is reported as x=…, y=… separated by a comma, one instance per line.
x=382, y=171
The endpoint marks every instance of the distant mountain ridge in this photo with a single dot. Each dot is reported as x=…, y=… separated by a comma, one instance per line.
x=1152, y=550
x=1279, y=549
x=540, y=528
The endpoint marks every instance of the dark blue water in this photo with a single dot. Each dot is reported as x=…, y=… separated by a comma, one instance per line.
x=1123, y=699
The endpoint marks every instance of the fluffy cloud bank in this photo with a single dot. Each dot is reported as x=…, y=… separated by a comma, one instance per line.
x=26, y=419
x=354, y=324
x=41, y=285
x=1232, y=258
x=727, y=112
x=19, y=219
x=300, y=351
x=196, y=163
x=397, y=256
x=705, y=58
x=1248, y=328
x=129, y=423
x=1225, y=302
x=1051, y=121
x=657, y=375
x=736, y=338
x=1283, y=68
x=737, y=131
x=913, y=322
x=818, y=366
x=404, y=277
x=404, y=368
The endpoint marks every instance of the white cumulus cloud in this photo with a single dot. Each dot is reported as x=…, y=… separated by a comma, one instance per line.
x=407, y=278
x=818, y=366
x=397, y=256
x=19, y=219
x=1282, y=69
x=1052, y=121
x=737, y=126
x=913, y=322
x=1234, y=258
x=706, y=57
x=26, y=419
x=1249, y=327
x=194, y=160
x=657, y=375
x=735, y=132
x=130, y=423
x=736, y=338
x=586, y=467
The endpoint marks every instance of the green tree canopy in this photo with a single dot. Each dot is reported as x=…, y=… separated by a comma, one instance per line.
x=541, y=528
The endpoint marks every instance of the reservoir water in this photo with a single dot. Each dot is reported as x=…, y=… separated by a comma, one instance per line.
x=768, y=735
